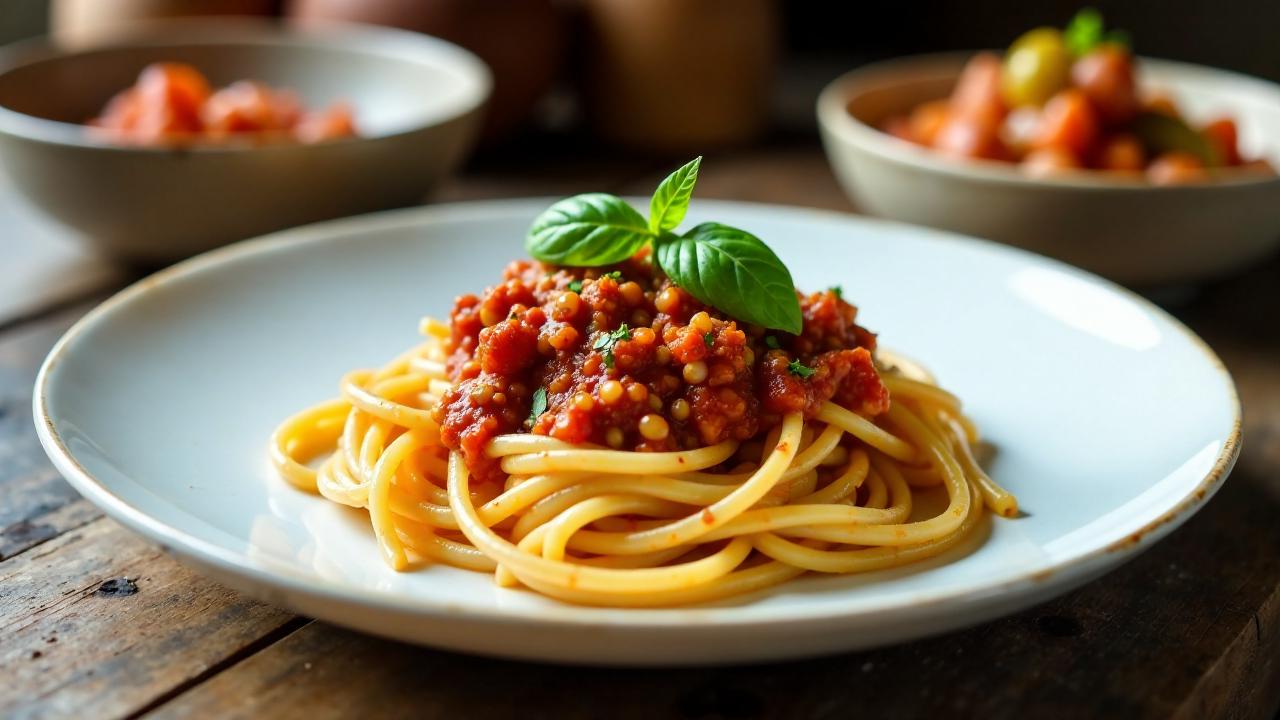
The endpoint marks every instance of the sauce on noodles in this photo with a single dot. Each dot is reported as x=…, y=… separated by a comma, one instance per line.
x=629, y=361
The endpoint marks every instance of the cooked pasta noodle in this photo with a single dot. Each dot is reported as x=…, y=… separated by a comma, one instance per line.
x=836, y=493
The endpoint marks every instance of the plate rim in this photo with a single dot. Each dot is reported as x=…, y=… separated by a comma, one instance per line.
x=226, y=562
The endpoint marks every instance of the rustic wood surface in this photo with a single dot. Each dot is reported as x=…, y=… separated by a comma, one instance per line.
x=96, y=622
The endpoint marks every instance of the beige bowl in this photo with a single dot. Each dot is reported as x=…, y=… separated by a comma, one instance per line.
x=1127, y=230
x=417, y=103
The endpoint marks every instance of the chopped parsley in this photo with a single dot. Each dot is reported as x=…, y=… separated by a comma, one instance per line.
x=616, y=275
x=838, y=291
x=799, y=369
x=539, y=404
x=605, y=343
x=771, y=341
x=575, y=285
x=709, y=339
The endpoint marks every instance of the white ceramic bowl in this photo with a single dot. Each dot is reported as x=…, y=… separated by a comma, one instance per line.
x=1127, y=230
x=417, y=102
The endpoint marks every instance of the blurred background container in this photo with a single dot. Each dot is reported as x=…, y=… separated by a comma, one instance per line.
x=632, y=45
x=418, y=103
x=522, y=42
x=77, y=21
x=664, y=78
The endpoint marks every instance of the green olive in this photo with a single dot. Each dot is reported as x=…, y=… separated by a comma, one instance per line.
x=1036, y=66
x=1160, y=133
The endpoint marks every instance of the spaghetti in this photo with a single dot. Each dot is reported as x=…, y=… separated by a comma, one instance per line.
x=644, y=492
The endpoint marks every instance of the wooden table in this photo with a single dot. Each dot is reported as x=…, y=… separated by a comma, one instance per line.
x=95, y=621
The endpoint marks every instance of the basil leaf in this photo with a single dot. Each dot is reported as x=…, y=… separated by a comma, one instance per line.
x=734, y=272
x=671, y=199
x=1084, y=32
x=587, y=231
x=539, y=404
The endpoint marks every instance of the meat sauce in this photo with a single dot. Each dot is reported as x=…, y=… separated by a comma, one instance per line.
x=628, y=360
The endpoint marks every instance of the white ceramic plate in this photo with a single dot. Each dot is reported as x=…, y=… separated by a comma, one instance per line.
x=1113, y=423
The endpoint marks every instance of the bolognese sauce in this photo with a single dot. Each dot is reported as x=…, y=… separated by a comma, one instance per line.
x=620, y=357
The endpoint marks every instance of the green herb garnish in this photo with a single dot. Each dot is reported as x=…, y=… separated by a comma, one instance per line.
x=575, y=285
x=709, y=339
x=771, y=341
x=539, y=405
x=671, y=200
x=799, y=369
x=606, y=342
x=837, y=291
x=1087, y=31
x=724, y=267
x=616, y=275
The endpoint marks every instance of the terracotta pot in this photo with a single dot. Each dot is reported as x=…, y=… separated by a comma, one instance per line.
x=522, y=41
x=83, y=21
x=676, y=75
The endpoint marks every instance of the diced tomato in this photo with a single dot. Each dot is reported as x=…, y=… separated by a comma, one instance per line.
x=1068, y=122
x=1260, y=166
x=970, y=137
x=1105, y=76
x=1048, y=161
x=1161, y=103
x=170, y=95
x=121, y=113
x=1176, y=168
x=172, y=102
x=1093, y=117
x=927, y=119
x=1121, y=153
x=332, y=123
x=977, y=92
x=247, y=107
x=1018, y=131
x=1221, y=133
x=900, y=127
x=971, y=126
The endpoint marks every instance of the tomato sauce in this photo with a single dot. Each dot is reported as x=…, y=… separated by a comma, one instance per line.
x=628, y=360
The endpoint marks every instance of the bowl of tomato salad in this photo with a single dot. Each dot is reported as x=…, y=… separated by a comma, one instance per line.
x=179, y=136
x=1150, y=172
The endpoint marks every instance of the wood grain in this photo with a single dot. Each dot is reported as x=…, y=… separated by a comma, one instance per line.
x=36, y=504
x=100, y=619
x=67, y=646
